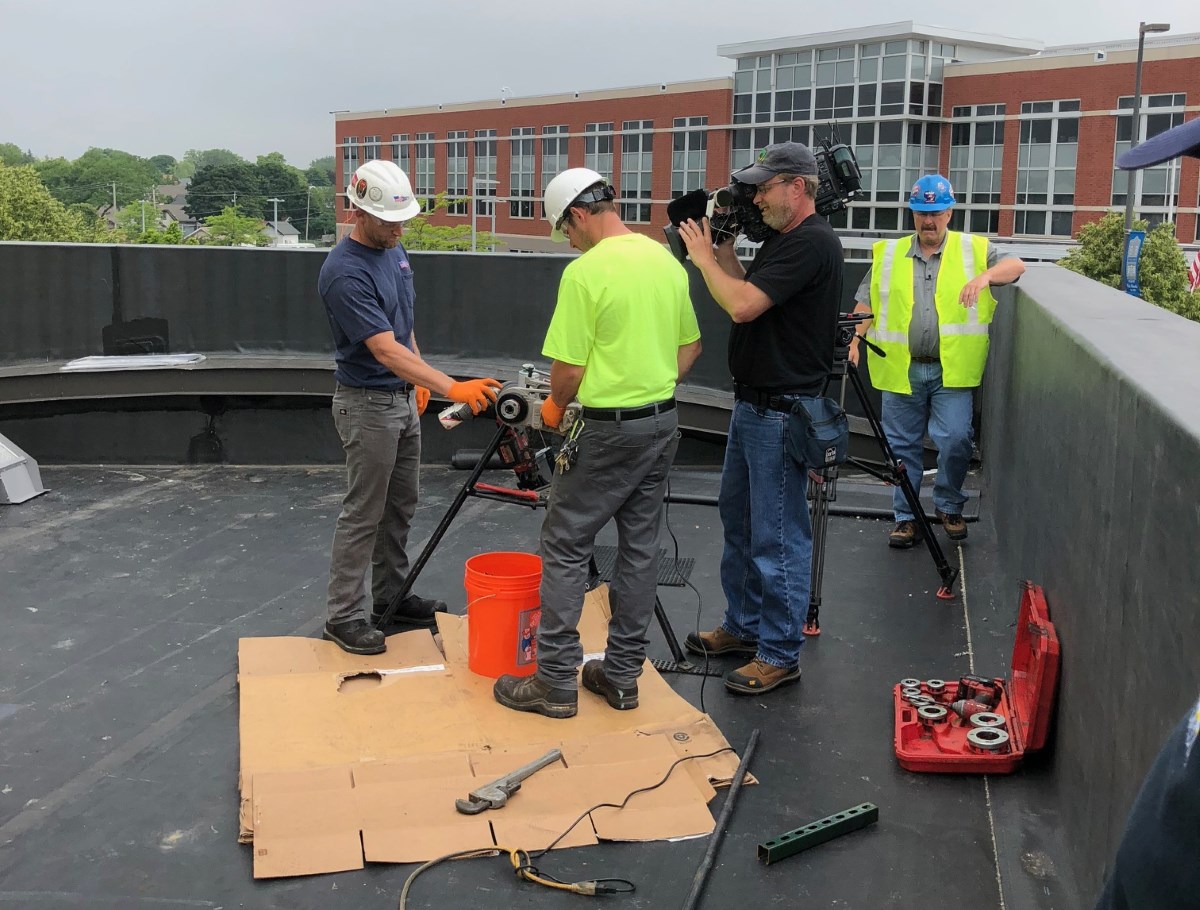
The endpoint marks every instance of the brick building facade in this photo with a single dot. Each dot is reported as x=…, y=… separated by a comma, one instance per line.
x=1028, y=135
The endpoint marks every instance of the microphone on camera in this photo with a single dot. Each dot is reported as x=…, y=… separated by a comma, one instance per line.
x=693, y=205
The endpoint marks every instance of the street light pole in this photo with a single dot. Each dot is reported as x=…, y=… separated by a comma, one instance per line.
x=1131, y=183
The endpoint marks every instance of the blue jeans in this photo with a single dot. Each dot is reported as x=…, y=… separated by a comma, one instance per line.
x=766, y=568
x=947, y=413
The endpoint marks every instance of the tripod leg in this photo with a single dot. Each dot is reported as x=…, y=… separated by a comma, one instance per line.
x=443, y=526
x=898, y=474
x=821, y=483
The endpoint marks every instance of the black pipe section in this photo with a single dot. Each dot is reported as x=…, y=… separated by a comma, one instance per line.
x=714, y=843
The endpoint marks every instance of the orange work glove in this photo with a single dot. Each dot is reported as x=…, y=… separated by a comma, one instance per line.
x=552, y=414
x=422, y=394
x=478, y=393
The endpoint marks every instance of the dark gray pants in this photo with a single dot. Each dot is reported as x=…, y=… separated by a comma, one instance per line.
x=621, y=475
x=381, y=435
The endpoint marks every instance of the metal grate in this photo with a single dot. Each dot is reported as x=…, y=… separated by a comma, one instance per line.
x=672, y=573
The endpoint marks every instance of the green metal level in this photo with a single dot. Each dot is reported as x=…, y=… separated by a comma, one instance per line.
x=818, y=832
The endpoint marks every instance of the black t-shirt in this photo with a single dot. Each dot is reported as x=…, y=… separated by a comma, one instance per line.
x=789, y=348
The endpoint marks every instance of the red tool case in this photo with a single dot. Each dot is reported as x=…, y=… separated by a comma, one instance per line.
x=936, y=740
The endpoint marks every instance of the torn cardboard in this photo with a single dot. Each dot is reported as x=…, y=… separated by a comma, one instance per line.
x=346, y=759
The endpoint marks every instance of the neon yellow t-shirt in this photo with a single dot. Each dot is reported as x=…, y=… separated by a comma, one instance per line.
x=623, y=312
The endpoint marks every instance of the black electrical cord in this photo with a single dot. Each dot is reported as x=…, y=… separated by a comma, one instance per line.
x=522, y=860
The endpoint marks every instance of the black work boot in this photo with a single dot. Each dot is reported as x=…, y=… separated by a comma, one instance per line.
x=356, y=636
x=596, y=680
x=414, y=612
x=528, y=693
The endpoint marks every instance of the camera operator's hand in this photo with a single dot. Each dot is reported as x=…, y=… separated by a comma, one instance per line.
x=698, y=239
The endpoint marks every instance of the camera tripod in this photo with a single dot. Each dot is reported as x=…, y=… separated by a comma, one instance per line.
x=512, y=444
x=822, y=489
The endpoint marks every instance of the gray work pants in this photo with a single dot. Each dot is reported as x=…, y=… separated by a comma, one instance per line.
x=381, y=435
x=621, y=475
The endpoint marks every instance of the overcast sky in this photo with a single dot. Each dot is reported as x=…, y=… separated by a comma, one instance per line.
x=257, y=76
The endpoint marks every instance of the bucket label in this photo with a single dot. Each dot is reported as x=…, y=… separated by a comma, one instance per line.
x=527, y=631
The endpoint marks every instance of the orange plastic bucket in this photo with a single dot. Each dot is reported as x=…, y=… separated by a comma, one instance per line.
x=503, y=613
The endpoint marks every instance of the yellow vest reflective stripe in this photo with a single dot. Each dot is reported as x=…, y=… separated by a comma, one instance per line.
x=962, y=331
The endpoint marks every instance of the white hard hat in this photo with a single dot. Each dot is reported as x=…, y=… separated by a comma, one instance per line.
x=382, y=188
x=565, y=189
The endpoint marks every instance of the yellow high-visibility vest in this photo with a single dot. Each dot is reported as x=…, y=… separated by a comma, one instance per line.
x=962, y=331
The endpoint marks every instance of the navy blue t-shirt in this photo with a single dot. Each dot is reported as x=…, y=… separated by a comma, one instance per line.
x=366, y=291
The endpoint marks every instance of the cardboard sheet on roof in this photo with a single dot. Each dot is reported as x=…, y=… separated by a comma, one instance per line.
x=347, y=759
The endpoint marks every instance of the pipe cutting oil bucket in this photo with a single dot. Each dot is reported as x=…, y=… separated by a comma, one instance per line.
x=503, y=613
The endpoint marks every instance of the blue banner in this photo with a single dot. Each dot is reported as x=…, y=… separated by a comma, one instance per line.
x=1134, y=241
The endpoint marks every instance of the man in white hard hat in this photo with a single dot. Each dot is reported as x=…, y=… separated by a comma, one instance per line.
x=622, y=334
x=383, y=385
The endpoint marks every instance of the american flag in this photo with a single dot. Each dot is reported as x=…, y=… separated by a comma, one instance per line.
x=1194, y=275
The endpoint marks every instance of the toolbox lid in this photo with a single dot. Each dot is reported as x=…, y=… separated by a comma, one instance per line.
x=1034, y=669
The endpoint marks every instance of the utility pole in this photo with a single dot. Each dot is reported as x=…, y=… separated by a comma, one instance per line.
x=114, y=208
x=143, y=208
x=307, y=206
x=275, y=223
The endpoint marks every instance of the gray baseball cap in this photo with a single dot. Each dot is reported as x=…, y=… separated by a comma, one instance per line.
x=782, y=158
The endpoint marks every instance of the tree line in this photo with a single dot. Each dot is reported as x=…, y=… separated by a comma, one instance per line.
x=59, y=199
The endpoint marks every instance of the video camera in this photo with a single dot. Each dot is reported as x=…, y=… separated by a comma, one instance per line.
x=731, y=210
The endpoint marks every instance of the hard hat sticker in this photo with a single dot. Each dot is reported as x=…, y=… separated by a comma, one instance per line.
x=375, y=193
x=360, y=188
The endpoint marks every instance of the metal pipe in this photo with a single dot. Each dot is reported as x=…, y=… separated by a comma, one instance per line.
x=714, y=843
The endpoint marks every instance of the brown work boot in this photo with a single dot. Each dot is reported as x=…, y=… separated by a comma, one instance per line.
x=955, y=525
x=759, y=676
x=718, y=641
x=904, y=535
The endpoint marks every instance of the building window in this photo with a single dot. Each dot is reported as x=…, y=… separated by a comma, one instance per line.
x=752, y=88
x=977, y=165
x=554, y=156
x=401, y=152
x=689, y=155
x=1046, y=167
x=456, y=172
x=372, y=151
x=637, y=148
x=349, y=159
x=598, y=149
x=1156, y=188
x=520, y=173
x=423, y=179
x=485, y=171
x=793, y=86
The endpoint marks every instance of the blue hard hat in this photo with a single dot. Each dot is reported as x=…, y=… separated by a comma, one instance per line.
x=932, y=193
